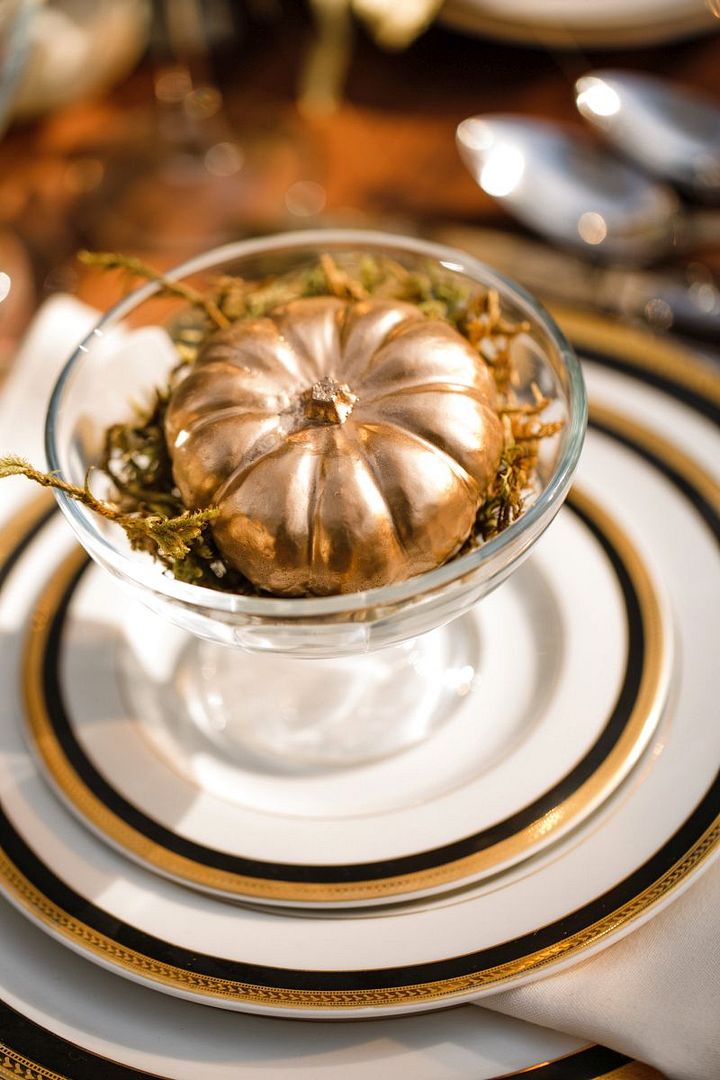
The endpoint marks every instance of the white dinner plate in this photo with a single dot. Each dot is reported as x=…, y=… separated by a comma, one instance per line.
x=64, y=1019
x=623, y=864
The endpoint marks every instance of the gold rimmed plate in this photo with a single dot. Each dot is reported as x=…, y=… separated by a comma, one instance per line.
x=625, y=862
x=517, y=765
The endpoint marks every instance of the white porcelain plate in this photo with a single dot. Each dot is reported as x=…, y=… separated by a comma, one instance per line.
x=551, y=711
x=621, y=865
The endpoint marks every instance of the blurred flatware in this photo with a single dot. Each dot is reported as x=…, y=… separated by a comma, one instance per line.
x=687, y=303
x=77, y=48
x=558, y=182
x=669, y=130
x=15, y=36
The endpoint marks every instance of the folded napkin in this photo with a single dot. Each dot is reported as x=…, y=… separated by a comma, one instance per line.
x=654, y=996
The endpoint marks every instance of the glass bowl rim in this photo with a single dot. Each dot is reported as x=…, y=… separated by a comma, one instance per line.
x=214, y=599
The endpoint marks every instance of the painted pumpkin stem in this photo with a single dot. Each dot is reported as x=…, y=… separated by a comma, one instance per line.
x=328, y=402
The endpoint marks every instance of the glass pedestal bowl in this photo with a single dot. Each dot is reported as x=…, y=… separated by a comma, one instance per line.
x=303, y=683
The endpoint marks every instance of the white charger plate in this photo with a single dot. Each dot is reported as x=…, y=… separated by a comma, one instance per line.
x=519, y=764
x=624, y=864
x=65, y=1019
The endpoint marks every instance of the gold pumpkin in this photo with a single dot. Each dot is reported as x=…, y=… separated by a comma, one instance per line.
x=346, y=444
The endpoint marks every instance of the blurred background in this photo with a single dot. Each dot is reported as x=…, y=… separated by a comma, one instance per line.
x=162, y=127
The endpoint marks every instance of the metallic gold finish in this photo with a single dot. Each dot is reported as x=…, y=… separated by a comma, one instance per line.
x=347, y=444
x=15, y=1066
x=634, y=1070
x=648, y=705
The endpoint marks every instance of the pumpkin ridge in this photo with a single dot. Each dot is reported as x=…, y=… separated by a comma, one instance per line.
x=431, y=388
x=377, y=484
x=315, y=494
x=343, y=318
x=221, y=348
x=288, y=350
x=309, y=364
x=392, y=333
x=409, y=326
x=227, y=412
x=459, y=470
x=240, y=473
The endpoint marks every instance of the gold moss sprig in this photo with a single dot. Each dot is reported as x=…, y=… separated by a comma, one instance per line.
x=137, y=460
x=169, y=538
x=136, y=268
x=436, y=295
x=524, y=430
x=485, y=327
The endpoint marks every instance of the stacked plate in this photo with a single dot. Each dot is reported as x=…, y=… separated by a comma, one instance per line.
x=590, y=23
x=571, y=794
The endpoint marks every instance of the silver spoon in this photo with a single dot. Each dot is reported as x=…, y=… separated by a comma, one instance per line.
x=669, y=130
x=561, y=184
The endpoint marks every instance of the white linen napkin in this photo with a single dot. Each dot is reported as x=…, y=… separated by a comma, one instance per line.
x=654, y=996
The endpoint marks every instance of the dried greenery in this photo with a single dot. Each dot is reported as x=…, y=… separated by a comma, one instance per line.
x=505, y=501
x=134, y=268
x=147, y=504
x=170, y=538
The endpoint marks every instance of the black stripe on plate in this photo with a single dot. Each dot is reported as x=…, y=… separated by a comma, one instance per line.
x=593, y=1063
x=351, y=872
x=19, y=550
x=704, y=508
x=653, y=378
x=46, y=1049
x=50, y=1051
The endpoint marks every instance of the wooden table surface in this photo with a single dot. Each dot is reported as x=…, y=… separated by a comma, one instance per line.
x=120, y=173
x=87, y=175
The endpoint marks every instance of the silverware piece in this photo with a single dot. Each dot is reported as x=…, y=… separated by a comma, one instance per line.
x=671, y=131
x=688, y=303
x=561, y=184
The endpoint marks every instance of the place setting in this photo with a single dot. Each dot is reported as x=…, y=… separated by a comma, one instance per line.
x=526, y=811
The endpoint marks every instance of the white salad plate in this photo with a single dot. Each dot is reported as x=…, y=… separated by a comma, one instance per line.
x=652, y=477
x=548, y=712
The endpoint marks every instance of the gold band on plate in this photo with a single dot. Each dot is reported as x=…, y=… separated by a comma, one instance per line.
x=21, y=523
x=666, y=451
x=641, y=349
x=14, y=1066
x=631, y=1070
x=643, y=718
x=634, y=1070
